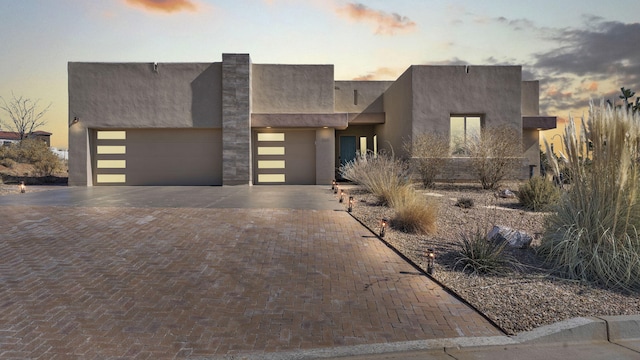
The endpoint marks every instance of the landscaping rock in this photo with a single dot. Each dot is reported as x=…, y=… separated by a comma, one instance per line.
x=506, y=194
x=514, y=238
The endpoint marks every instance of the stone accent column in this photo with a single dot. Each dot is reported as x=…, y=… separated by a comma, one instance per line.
x=236, y=119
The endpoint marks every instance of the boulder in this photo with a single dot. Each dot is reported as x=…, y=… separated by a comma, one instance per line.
x=513, y=238
x=506, y=194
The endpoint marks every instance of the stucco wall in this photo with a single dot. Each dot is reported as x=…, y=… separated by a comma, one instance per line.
x=530, y=98
x=398, y=107
x=133, y=95
x=360, y=96
x=494, y=92
x=292, y=88
x=325, y=156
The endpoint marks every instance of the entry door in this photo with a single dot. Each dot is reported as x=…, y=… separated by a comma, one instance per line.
x=347, y=149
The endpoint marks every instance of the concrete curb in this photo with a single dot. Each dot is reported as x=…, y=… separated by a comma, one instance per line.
x=576, y=330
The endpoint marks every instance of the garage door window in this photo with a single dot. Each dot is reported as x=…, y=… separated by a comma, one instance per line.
x=110, y=166
x=271, y=162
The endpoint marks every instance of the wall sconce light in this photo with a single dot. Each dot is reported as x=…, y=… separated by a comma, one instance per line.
x=333, y=184
x=74, y=121
x=23, y=188
x=350, y=208
x=383, y=226
x=431, y=257
x=335, y=189
x=341, y=196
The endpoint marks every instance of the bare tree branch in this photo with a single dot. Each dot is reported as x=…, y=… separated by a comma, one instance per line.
x=24, y=115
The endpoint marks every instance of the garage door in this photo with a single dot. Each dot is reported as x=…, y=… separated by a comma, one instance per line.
x=157, y=157
x=284, y=157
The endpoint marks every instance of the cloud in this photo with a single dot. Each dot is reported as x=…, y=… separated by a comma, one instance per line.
x=167, y=6
x=385, y=23
x=517, y=24
x=603, y=49
x=382, y=73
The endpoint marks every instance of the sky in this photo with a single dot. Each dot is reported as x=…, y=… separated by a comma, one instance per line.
x=579, y=50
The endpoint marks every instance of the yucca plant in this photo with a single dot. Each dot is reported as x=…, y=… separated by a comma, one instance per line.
x=593, y=236
x=538, y=194
x=479, y=255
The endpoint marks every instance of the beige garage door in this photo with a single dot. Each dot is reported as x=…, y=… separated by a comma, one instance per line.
x=284, y=157
x=157, y=157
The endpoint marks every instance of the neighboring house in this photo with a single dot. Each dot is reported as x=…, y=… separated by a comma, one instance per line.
x=10, y=137
x=235, y=122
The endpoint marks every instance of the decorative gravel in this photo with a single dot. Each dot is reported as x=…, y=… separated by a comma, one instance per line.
x=526, y=298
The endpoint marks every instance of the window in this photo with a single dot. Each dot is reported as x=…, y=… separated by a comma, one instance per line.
x=463, y=129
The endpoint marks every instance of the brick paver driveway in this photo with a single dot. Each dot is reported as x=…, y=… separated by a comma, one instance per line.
x=154, y=283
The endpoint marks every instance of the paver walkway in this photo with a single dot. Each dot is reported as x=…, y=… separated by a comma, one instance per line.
x=156, y=283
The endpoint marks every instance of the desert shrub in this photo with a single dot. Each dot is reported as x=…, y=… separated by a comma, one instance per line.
x=538, y=194
x=7, y=162
x=32, y=151
x=494, y=153
x=429, y=154
x=380, y=174
x=413, y=212
x=593, y=235
x=465, y=203
x=477, y=254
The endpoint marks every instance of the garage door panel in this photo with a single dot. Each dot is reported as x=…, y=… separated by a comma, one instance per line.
x=167, y=157
x=284, y=157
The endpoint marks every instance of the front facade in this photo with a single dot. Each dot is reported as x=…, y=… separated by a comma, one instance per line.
x=234, y=122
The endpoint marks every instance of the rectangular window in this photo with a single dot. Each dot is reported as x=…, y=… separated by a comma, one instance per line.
x=270, y=136
x=112, y=135
x=363, y=146
x=262, y=150
x=111, y=178
x=111, y=149
x=270, y=164
x=112, y=164
x=270, y=178
x=463, y=130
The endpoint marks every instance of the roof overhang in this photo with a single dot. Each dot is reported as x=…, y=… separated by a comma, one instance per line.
x=335, y=120
x=539, y=122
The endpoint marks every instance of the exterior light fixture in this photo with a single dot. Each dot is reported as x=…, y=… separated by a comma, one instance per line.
x=383, y=226
x=341, y=196
x=74, y=121
x=333, y=184
x=335, y=189
x=23, y=188
x=350, y=208
x=431, y=257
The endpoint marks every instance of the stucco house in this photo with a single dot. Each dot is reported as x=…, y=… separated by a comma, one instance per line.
x=11, y=137
x=235, y=122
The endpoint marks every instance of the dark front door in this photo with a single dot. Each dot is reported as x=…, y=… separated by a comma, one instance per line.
x=347, y=149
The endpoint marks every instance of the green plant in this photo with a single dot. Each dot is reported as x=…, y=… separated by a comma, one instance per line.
x=413, y=212
x=465, y=203
x=380, y=174
x=593, y=235
x=479, y=255
x=538, y=194
x=429, y=155
x=494, y=154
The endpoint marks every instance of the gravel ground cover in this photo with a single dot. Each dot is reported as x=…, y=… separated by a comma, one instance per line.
x=526, y=298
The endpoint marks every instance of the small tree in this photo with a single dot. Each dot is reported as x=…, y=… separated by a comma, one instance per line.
x=495, y=153
x=429, y=154
x=24, y=115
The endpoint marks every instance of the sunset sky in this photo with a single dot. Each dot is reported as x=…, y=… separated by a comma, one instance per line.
x=579, y=50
